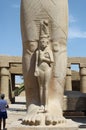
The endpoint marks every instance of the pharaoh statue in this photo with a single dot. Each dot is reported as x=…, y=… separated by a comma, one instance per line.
x=44, y=27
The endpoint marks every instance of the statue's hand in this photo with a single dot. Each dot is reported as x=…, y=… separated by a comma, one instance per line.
x=36, y=73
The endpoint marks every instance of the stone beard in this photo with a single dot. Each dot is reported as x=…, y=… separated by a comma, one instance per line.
x=54, y=14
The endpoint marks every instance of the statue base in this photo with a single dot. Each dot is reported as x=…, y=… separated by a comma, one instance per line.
x=70, y=125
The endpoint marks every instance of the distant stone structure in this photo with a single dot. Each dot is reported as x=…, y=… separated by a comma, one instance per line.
x=9, y=67
x=75, y=89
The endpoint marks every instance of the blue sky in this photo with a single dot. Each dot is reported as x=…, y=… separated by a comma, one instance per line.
x=10, y=33
x=77, y=28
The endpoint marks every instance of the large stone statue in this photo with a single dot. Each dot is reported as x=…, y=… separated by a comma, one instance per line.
x=44, y=26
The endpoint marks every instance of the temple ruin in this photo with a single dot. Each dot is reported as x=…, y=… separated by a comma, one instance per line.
x=75, y=87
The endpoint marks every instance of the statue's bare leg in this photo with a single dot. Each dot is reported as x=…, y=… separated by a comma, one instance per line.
x=47, y=78
x=57, y=90
x=41, y=89
x=59, y=73
x=44, y=80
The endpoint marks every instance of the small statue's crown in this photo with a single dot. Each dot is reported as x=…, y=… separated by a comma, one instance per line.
x=44, y=29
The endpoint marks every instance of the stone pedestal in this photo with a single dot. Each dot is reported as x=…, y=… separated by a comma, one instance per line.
x=70, y=125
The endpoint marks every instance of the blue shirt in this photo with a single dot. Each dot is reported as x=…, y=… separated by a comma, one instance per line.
x=3, y=105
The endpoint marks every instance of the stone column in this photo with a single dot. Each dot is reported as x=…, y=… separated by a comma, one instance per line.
x=5, y=82
x=83, y=79
x=68, y=85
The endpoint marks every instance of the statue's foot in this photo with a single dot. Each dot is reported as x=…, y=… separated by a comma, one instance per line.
x=35, y=120
x=32, y=117
x=43, y=119
x=54, y=120
x=36, y=115
x=32, y=120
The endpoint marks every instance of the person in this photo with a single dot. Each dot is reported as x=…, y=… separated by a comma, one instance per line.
x=3, y=111
x=43, y=69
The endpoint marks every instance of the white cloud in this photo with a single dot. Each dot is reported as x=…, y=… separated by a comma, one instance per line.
x=72, y=19
x=76, y=33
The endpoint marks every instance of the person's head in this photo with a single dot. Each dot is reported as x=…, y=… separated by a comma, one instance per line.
x=2, y=96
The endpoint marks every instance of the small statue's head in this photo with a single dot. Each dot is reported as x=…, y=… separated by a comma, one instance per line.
x=44, y=41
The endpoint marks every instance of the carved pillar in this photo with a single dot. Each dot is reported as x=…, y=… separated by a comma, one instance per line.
x=68, y=85
x=83, y=79
x=5, y=82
